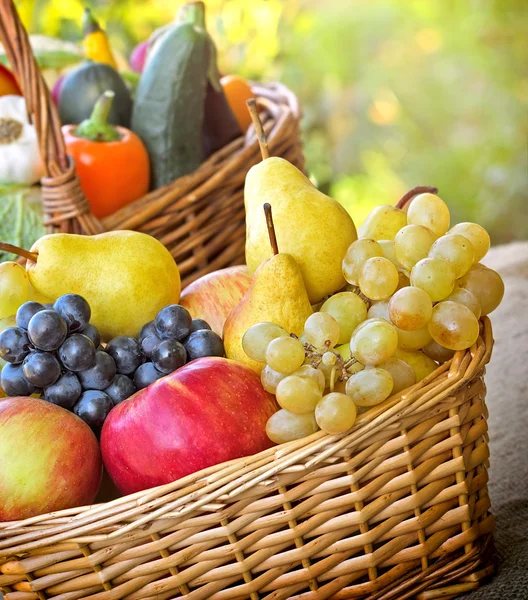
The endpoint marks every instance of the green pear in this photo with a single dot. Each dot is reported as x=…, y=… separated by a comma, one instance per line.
x=310, y=226
x=383, y=223
x=127, y=277
x=277, y=295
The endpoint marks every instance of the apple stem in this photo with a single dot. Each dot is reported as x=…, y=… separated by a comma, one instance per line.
x=257, y=123
x=421, y=189
x=271, y=228
x=32, y=256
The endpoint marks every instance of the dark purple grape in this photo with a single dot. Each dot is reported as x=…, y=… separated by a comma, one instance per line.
x=47, y=330
x=146, y=330
x=145, y=375
x=204, y=343
x=26, y=311
x=199, y=325
x=77, y=353
x=75, y=310
x=126, y=353
x=14, y=345
x=91, y=331
x=149, y=344
x=93, y=407
x=120, y=389
x=173, y=322
x=168, y=356
x=101, y=375
x=14, y=382
x=65, y=391
x=41, y=369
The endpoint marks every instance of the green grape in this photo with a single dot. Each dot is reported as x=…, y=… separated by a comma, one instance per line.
x=284, y=426
x=374, y=341
x=477, y=235
x=388, y=251
x=357, y=253
x=14, y=288
x=299, y=395
x=335, y=413
x=437, y=352
x=285, y=354
x=434, y=276
x=349, y=310
x=453, y=326
x=408, y=340
x=430, y=211
x=402, y=374
x=421, y=364
x=410, y=308
x=486, y=284
x=270, y=379
x=413, y=340
x=370, y=386
x=467, y=298
x=379, y=310
x=378, y=278
x=456, y=250
x=257, y=339
x=321, y=330
x=312, y=373
x=412, y=243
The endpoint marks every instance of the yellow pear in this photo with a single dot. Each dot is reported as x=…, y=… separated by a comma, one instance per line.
x=315, y=229
x=276, y=294
x=383, y=223
x=125, y=276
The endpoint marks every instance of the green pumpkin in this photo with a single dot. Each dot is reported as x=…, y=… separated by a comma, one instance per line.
x=84, y=86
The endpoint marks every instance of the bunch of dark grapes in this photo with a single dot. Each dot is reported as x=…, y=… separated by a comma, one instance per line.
x=55, y=351
x=173, y=339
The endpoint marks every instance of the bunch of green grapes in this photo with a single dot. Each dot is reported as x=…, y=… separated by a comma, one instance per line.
x=410, y=304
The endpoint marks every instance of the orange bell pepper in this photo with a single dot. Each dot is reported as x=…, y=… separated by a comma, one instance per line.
x=8, y=83
x=237, y=91
x=111, y=161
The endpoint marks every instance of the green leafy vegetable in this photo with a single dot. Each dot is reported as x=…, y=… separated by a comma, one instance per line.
x=20, y=217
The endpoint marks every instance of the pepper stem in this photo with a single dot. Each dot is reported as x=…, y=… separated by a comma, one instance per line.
x=192, y=12
x=97, y=128
x=89, y=22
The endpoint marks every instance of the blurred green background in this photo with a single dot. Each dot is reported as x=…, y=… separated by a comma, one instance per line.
x=394, y=94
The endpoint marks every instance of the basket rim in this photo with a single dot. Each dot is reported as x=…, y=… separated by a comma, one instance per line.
x=231, y=478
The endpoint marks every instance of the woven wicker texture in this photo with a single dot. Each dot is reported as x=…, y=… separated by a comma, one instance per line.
x=200, y=217
x=395, y=508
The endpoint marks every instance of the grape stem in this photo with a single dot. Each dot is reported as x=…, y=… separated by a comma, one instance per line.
x=271, y=228
x=421, y=189
x=259, y=130
x=32, y=256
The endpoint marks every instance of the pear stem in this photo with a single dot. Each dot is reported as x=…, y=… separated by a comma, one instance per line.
x=421, y=189
x=271, y=228
x=257, y=123
x=32, y=256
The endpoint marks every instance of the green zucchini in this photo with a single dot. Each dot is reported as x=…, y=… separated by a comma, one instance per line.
x=168, y=110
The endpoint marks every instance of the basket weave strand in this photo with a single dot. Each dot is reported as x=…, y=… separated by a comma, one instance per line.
x=395, y=508
x=199, y=217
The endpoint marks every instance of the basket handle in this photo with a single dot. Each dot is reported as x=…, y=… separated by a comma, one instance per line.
x=63, y=198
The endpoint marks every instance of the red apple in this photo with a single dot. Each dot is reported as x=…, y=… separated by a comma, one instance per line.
x=213, y=296
x=209, y=411
x=49, y=459
x=139, y=57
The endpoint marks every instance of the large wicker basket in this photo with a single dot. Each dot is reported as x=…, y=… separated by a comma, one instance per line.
x=200, y=218
x=395, y=508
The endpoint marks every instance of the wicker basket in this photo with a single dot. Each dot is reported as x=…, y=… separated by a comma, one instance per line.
x=200, y=217
x=395, y=508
